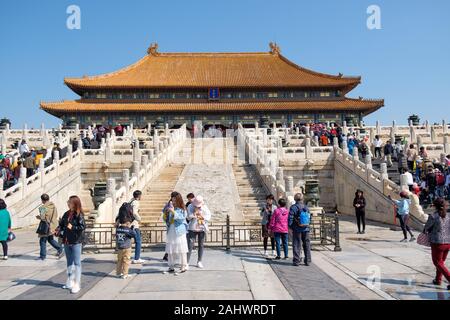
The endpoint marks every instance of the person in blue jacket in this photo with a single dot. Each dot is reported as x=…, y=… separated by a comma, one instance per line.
x=402, y=214
x=299, y=222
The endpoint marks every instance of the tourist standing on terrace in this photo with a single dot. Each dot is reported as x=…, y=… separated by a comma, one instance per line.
x=402, y=214
x=198, y=216
x=48, y=215
x=438, y=230
x=377, y=144
x=266, y=213
x=279, y=226
x=176, y=244
x=5, y=228
x=23, y=148
x=135, y=225
x=411, y=156
x=299, y=221
x=71, y=230
x=359, y=203
x=388, y=152
x=29, y=164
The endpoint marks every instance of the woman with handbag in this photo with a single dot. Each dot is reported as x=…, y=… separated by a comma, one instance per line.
x=176, y=244
x=266, y=213
x=438, y=230
x=5, y=228
x=48, y=217
x=71, y=230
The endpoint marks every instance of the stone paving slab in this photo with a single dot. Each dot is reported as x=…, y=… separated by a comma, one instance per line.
x=397, y=270
x=309, y=282
x=92, y=271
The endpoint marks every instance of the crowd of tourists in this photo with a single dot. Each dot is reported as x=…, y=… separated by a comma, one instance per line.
x=428, y=178
x=278, y=219
x=29, y=158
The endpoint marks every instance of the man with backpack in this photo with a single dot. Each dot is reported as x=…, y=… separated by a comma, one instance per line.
x=129, y=212
x=299, y=221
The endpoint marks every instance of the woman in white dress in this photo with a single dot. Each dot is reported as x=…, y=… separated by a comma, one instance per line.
x=174, y=215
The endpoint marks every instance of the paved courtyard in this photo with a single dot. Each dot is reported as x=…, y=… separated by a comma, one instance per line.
x=371, y=266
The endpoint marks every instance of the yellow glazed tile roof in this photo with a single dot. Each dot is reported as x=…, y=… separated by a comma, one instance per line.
x=223, y=70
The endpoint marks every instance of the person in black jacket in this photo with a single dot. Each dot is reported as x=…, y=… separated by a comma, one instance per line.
x=360, y=210
x=71, y=230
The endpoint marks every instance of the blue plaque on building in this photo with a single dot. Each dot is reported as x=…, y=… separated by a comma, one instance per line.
x=213, y=94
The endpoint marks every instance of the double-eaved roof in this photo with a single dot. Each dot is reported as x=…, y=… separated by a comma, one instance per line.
x=260, y=70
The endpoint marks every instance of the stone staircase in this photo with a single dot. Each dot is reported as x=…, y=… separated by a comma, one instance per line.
x=251, y=191
x=157, y=193
x=393, y=173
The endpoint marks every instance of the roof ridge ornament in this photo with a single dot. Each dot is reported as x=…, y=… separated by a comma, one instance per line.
x=153, y=49
x=274, y=48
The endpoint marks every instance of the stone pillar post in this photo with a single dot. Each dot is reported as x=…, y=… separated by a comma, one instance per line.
x=265, y=137
x=166, y=130
x=444, y=127
x=144, y=161
x=393, y=136
x=55, y=156
x=446, y=145
x=344, y=128
x=297, y=130
x=23, y=181
x=307, y=131
x=378, y=127
x=419, y=142
x=149, y=128
x=289, y=185
x=355, y=153
x=126, y=181
x=412, y=134
x=372, y=134
x=433, y=135
x=42, y=133
x=383, y=170
x=368, y=161
x=308, y=149
x=316, y=140
x=394, y=127
x=25, y=132
x=151, y=155
x=427, y=126
x=136, y=169
x=335, y=142
x=111, y=187
x=345, y=146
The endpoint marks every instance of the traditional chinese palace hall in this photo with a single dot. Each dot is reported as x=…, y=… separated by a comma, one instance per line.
x=215, y=88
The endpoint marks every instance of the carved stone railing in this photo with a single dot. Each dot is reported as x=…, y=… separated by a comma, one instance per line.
x=149, y=165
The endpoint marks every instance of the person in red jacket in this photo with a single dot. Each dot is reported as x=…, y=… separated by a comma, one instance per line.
x=280, y=227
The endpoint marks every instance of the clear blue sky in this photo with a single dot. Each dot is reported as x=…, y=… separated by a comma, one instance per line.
x=407, y=62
